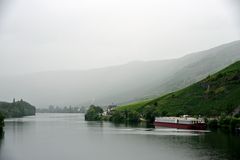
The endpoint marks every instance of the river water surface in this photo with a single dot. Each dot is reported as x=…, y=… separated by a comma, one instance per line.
x=69, y=137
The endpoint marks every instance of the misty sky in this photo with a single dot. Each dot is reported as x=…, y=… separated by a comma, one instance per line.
x=40, y=35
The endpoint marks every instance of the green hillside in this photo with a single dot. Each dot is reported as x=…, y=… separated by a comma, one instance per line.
x=215, y=95
x=16, y=109
x=133, y=106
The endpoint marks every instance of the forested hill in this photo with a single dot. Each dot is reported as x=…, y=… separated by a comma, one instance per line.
x=215, y=95
x=16, y=109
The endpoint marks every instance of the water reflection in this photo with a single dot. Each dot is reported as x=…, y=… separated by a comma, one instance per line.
x=225, y=143
x=1, y=135
x=68, y=136
x=1, y=138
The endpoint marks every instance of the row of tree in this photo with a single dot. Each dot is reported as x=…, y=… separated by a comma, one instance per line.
x=96, y=113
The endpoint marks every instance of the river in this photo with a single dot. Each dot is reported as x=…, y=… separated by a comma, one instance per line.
x=68, y=137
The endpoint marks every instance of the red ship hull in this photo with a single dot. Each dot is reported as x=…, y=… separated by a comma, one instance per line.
x=196, y=126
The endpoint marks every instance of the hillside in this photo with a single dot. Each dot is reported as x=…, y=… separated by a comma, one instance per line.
x=16, y=109
x=118, y=84
x=215, y=95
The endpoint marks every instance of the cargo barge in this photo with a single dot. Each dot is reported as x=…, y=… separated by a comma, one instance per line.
x=184, y=122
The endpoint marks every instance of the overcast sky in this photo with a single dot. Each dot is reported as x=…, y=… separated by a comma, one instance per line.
x=41, y=35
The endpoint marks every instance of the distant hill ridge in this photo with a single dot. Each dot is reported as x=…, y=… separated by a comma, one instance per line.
x=118, y=84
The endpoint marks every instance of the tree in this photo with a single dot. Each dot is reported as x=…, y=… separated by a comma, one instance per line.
x=94, y=113
x=118, y=116
x=133, y=116
x=149, y=113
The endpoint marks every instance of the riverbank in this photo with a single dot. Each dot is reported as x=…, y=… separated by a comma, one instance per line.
x=15, y=109
x=96, y=113
x=227, y=123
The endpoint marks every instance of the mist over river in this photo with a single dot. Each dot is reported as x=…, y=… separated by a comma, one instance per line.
x=68, y=137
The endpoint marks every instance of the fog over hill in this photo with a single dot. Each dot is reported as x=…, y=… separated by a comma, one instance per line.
x=117, y=84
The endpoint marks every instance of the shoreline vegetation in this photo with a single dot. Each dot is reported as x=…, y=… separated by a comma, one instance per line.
x=96, y=113
x=1, y=124
x=216, y=98
x=14, y=110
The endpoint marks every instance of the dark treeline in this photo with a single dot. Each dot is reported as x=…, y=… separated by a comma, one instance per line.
x=225, y=122
x=57, y=109
x=96, y=113
x=16, y=109
x=1, y=123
